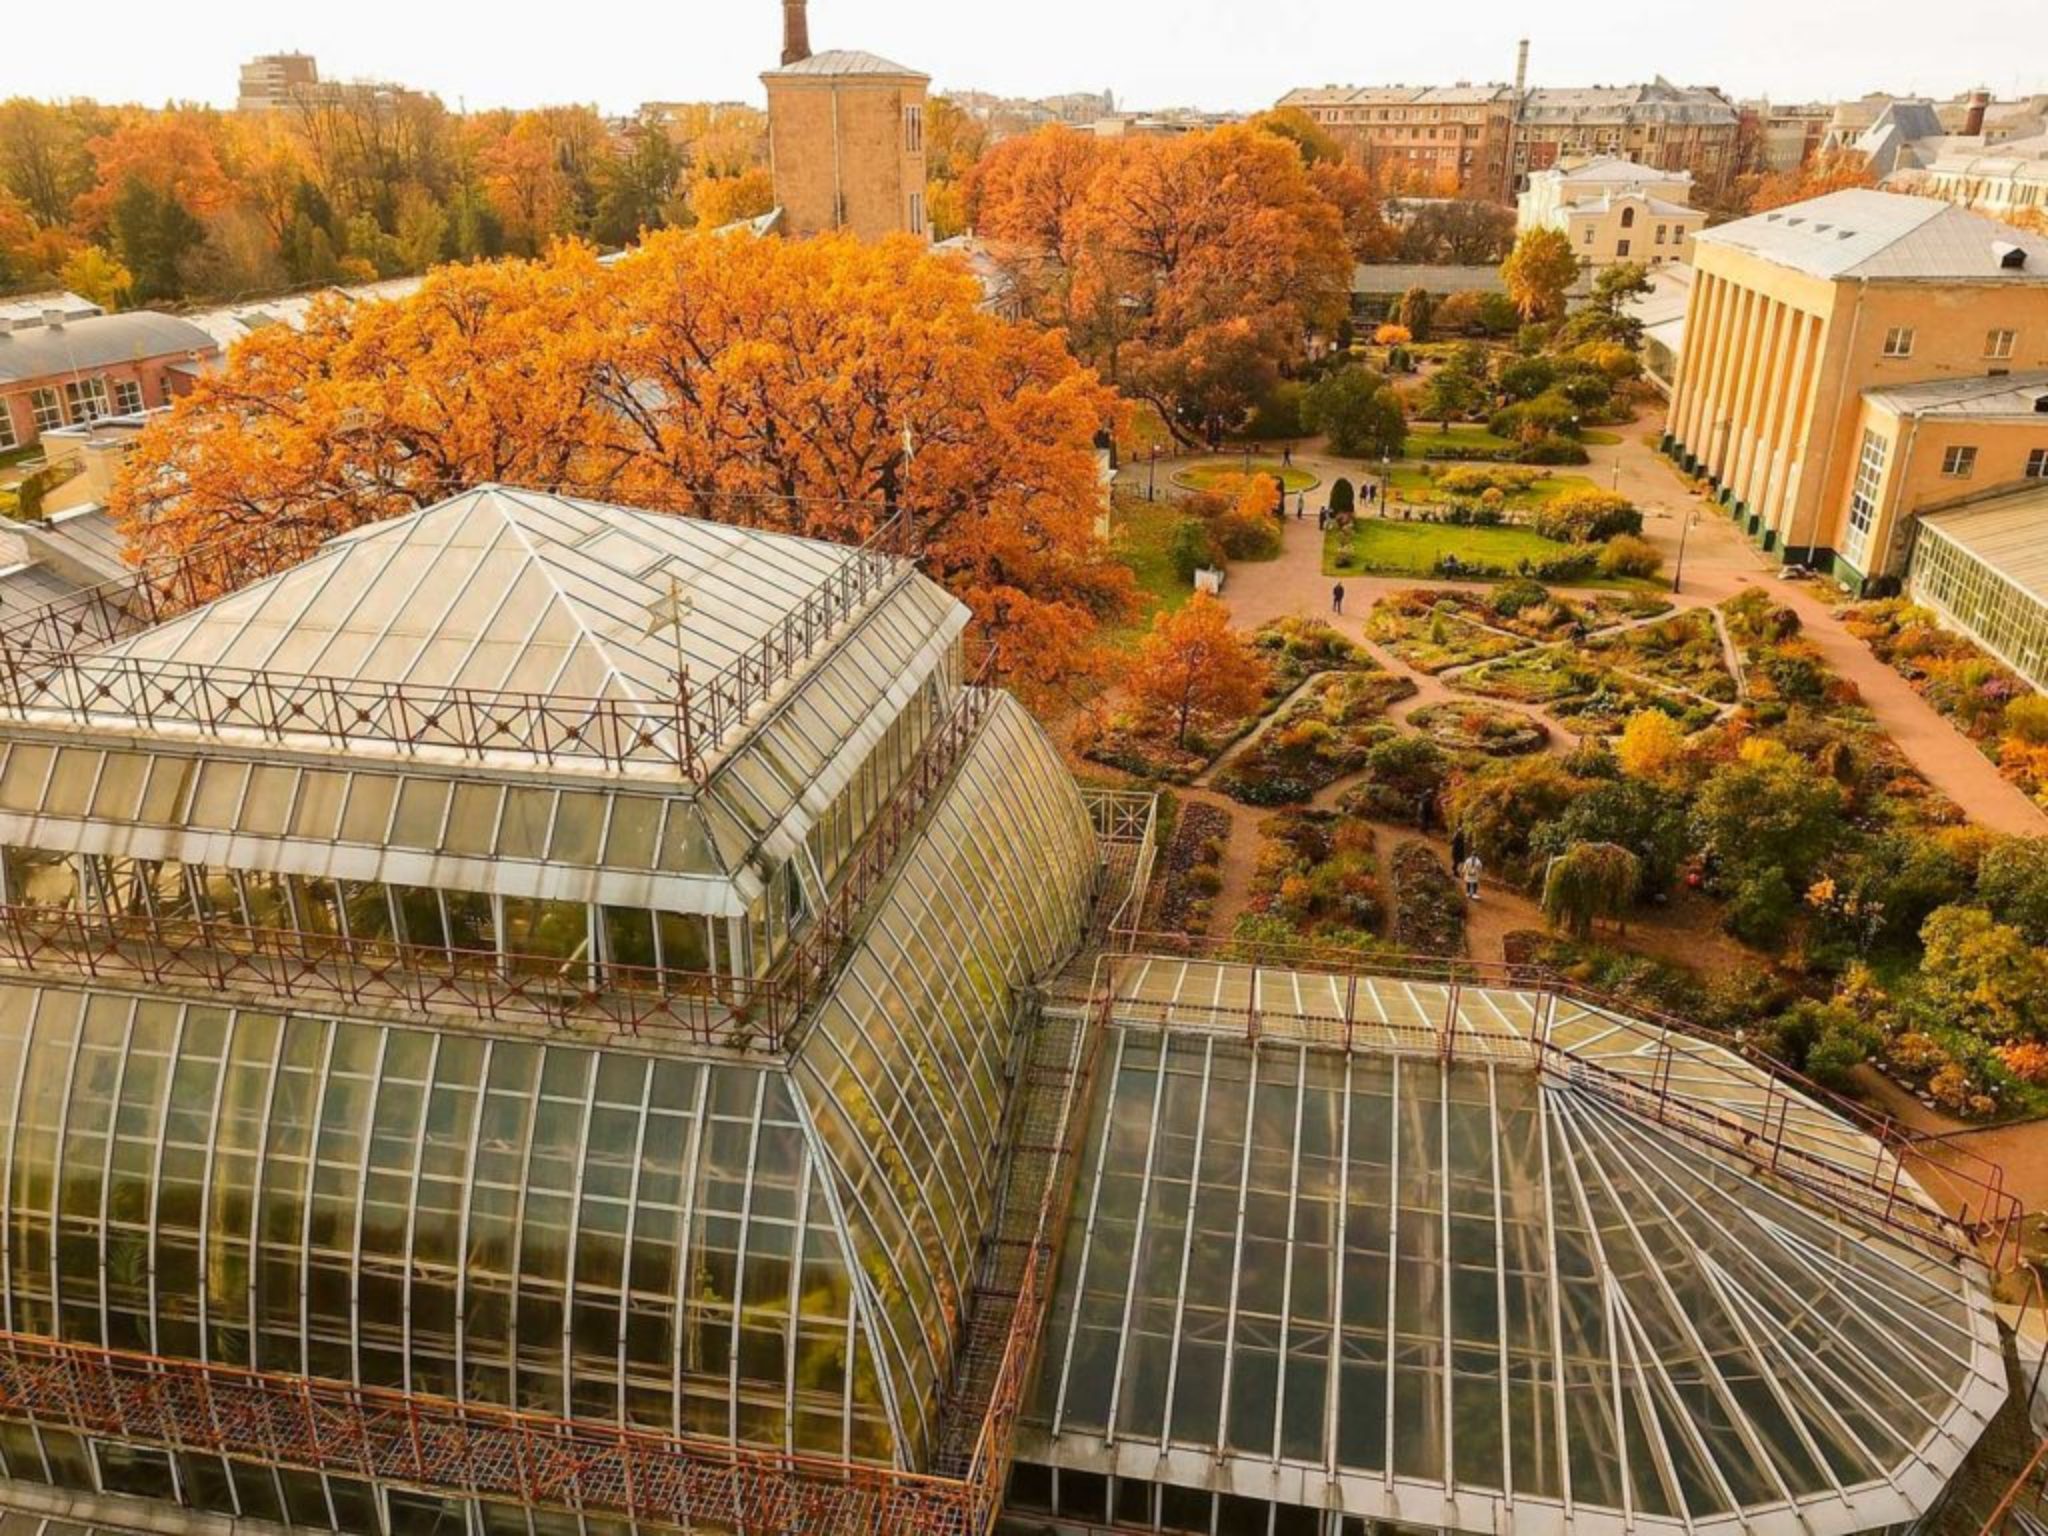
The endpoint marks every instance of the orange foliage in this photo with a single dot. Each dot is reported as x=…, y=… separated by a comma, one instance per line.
x=1837, y=171
x=1189, y=269
x=721, y=200
x=693, y=370
x=1194, y=668
x=175, y=154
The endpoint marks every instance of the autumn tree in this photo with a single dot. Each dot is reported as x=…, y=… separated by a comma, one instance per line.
x=1195, y=670
x=721, y=200
x=1538, y=273
x=1457, y=231
x=1311, y=140
x=1350, y=190
x=770, y=381
x=1837, y=170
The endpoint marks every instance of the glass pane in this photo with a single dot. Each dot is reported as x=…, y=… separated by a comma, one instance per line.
x=168, y=779
x=319, y=804
x=71, y=784
x=629, y=937
x=21, y=786
x=369, y=808
x=523, y=834
x=472, y=819
x=219, y=796
x=422, y=806
x=579, y=819
x=635, y=820
x=120, y=786
x=269, y=800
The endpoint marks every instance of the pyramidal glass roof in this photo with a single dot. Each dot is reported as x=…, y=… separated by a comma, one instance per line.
x=503, y=590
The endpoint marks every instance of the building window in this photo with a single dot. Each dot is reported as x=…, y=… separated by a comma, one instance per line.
x=7, y=438
x=1628, y=218
x=1677, y=234
x=1621, y=247
x=127, y=396
x=86, y=399
x=2037, y=464
x=1661, y=230
x=1959, y=463
x=1588, y=236
x=1898, y=341
x=47, y=409
x=1863, y=498
x=1998, y=344
x=917, y=213
x=913, y=130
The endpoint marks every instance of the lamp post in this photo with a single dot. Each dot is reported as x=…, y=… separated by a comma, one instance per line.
x=1386, y=481
x=1684, y=532
x=1152, y=474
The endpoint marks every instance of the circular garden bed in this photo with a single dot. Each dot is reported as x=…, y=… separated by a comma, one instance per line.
x=1483, y=728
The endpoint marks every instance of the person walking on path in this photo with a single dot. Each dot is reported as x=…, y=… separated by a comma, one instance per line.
x=1457, y=847
x=1472, y=869
x=1337, y=598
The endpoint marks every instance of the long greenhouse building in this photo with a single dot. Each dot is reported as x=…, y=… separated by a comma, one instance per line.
x=536, y=1018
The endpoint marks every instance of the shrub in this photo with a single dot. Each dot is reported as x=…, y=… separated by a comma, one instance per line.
x=2026, y=719
x=1626, y=555
x=1527, y=377
x=1244, y=535
x=1279, y=415
x=1587, y=517
x=1552, y=449
x=1474, y=480
x=1189, y=548
x=1343, y=499
x=1391, y=335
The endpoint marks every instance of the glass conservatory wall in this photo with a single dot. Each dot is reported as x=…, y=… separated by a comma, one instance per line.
x=903, y=1065
x=572, y=1231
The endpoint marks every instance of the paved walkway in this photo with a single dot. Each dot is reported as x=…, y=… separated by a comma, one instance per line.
x=1718, y=564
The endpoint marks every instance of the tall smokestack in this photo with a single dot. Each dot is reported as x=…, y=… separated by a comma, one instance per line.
x=1521, y=67
x=796, y=33
x=1973, y=117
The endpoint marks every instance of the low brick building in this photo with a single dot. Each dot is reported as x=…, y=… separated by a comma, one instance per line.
x=65, y=372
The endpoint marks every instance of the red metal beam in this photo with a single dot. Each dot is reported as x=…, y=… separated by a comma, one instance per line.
x=471, y=1449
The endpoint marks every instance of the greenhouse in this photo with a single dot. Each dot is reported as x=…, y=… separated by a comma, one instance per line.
x=1982, y=569
x=1439, y=1258
x=543, y=1019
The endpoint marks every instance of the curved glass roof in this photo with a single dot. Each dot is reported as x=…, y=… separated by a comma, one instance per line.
x=1468, y=1296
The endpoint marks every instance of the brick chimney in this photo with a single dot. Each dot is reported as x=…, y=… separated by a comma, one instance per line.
x=1973, y=118
x=796, y=33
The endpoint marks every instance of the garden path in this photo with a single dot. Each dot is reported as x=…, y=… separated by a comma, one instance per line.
x=1718, y=564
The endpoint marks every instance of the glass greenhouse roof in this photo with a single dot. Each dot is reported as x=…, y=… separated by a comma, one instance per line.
x=506, y=590
x=1447, y=1289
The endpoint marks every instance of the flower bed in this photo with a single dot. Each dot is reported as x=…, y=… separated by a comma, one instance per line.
x=1295, y=650
x=1577, y=692
x=1429, y=909
x=1988, y=702
x=1324, y=735
x=1436, y=628
x=1317, y=882
x=1190, y=871
x=1484, y=728
x=1683, y=651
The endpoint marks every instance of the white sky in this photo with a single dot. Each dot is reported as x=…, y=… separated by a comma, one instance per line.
x=1216, y=53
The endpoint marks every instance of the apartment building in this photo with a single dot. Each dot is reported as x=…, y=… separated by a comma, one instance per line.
x=1447, y=139
x=1666, y=126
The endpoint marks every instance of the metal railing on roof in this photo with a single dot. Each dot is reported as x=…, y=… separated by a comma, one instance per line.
x=1927, y=1188
x=51, y=664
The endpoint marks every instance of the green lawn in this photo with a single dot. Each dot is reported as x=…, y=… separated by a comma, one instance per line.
x=1464, y=433
x=1204, y=476
x=1141, y=531
x=1384, y=547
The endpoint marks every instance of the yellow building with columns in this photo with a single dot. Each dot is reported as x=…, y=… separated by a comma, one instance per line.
x=1808, y=328
x=845, y=139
